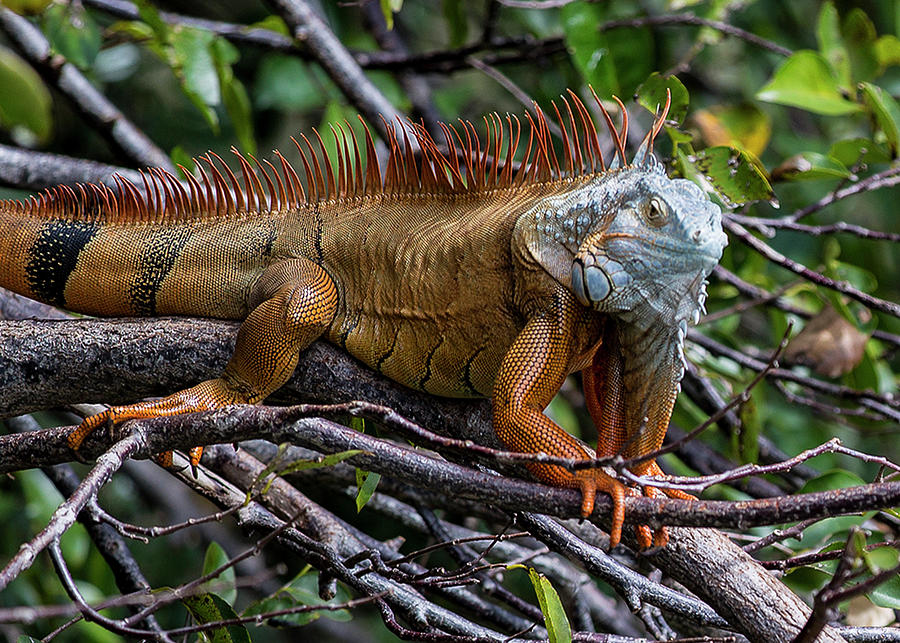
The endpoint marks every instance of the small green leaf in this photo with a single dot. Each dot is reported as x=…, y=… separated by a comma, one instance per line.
x=652, y=95
x=859, y=37
x=209, y=608
x=805, y=80
x=730, y=173
x=366, y=481
x=809, y=166
x=886, y=113
x=831, y=46
x=881, y=558
x=328, y=461
x=551, y=607
x=24, y=100
x=191, y=49
x=216, y=557
x=887, y=594
x=73, y=33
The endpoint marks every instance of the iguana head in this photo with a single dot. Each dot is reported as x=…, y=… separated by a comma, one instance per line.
x=632, y=242
x=653, y=243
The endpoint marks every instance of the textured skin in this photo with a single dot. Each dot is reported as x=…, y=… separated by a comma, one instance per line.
x=495, y=290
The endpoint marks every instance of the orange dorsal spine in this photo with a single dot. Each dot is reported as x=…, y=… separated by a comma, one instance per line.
x=464, y=166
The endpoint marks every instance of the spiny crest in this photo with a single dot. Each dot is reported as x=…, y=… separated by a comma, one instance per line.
x=463, y=166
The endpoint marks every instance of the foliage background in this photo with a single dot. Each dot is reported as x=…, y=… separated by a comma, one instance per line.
x=812, y=122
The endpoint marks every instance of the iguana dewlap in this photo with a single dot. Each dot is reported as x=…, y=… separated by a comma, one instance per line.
x=453, y=274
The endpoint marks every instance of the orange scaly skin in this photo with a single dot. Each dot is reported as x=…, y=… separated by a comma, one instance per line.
x=458, y=278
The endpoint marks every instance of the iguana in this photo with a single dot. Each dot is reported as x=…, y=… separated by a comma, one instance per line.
x=456, y=273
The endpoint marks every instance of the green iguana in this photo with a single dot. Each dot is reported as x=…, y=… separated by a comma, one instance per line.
x=455, y=274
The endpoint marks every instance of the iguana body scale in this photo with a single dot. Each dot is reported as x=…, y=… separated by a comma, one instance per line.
x=456, y=278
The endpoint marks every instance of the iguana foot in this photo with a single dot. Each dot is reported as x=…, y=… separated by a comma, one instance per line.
x=205, y=396
x=590, y=481
x=661, y=536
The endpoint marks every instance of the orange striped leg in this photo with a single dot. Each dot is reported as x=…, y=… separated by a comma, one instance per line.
x=298, y=301
x=530, y=375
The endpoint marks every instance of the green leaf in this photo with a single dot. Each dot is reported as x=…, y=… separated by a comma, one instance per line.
x=731, y=174
x=831, y=45
x=150, y=16
x=208, y=608
x=887, y=594
x=24, y=101
x=886, y=113
x=457, y=21
x=192, y=54
x=805, y=80
x=652, y=95
x=859, y=37
x=590, y=50
x=366, y=481
x=881, y=558
x=216, y=557
x=551, y=607
x=808, y=166
x=73, y=33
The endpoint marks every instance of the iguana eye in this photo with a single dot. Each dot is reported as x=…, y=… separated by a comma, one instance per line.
x=657, y=212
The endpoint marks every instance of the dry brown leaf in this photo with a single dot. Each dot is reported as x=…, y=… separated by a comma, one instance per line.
x=829, y=344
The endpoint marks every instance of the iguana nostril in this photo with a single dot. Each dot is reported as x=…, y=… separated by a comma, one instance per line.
x=698, y=233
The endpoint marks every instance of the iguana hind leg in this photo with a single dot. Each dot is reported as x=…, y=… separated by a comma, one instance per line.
x=297, y=300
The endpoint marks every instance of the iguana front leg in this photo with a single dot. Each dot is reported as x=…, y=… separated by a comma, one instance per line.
x=297, y=300
x=604, y=394
x=530, y=375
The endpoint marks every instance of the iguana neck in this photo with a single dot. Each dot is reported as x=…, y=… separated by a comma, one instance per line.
x=650, y=339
